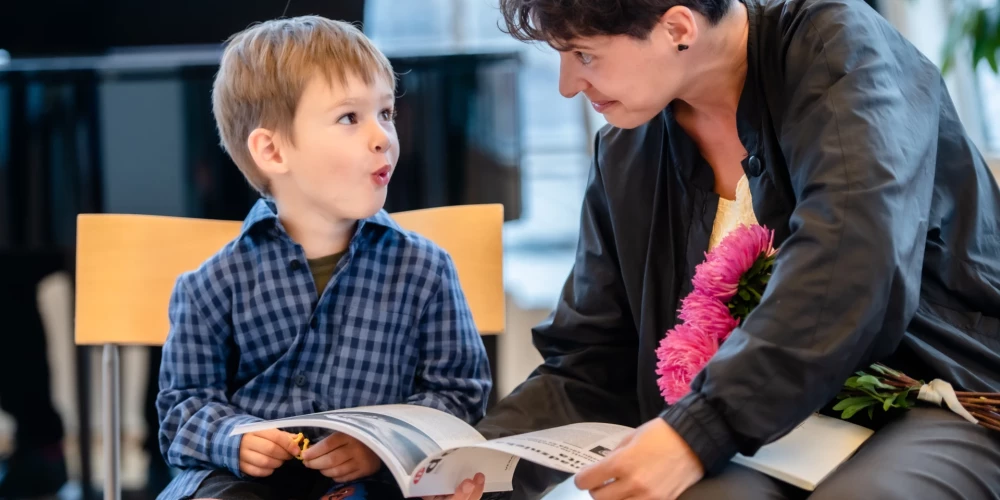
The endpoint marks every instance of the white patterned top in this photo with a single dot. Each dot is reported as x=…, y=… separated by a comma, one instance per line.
x=732, y=213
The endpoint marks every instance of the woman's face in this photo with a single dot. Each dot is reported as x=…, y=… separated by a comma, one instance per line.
x=628, y=80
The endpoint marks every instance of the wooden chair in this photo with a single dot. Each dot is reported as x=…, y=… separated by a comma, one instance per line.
x=127, y=266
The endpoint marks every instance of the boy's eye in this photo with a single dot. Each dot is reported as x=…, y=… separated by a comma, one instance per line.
x=584, y=57
x=348, y=119
x=388, y=114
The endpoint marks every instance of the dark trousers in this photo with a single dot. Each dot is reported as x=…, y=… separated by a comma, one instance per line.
x=293, y=481
x=24, y=364
x=925, y=453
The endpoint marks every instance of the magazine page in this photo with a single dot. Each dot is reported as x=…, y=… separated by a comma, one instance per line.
x=568, y=448
x=402, y=435
x=395, y=458
x=445, y=429
x=441, y=474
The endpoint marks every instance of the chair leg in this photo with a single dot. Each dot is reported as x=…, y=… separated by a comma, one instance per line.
x=112, y=423
x=83, y=382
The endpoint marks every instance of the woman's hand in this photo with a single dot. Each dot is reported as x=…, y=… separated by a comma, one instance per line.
x=342, y=458
x=652, y=463
x=262, y=452
x=470, y=489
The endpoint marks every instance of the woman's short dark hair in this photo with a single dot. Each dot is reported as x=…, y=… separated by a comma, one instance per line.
x=557, y=21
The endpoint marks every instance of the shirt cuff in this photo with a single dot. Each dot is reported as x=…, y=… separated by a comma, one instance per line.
x=226, y=448
x=703, y=429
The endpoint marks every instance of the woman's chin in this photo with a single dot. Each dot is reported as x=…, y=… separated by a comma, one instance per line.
x=625, y=119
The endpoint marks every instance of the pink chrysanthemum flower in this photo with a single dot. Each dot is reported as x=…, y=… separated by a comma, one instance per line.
x=719, y=276
x=682, y=354
x=707, y=321
x=708, y=314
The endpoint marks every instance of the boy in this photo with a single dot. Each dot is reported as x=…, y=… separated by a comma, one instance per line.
x=322, y=302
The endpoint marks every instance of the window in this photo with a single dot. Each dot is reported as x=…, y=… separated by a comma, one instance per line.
x=989, y=92
x=975, y=92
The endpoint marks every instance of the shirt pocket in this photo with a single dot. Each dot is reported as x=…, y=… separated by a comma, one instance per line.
x=376, y=356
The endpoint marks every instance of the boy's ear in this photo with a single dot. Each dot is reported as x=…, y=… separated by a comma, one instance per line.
x=265, y=148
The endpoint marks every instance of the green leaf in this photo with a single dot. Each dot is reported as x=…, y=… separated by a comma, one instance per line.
x=744, y=294
x=853, y=401
x=871, y=412
x=852, y=383
x=981, y=39
x=902, y=400
x=849, y=412
x=888, y=402
x=872, y=381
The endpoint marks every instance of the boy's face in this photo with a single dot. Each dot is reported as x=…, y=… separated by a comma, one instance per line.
x=345, y=148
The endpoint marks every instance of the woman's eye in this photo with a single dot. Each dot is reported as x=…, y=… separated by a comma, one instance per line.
x=388, y=114
x=348, y=119
x=584, y=57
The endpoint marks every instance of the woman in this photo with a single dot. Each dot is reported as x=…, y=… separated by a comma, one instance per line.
x=832, y=130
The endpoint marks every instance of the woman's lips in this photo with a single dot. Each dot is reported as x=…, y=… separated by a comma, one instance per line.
x=602, y=106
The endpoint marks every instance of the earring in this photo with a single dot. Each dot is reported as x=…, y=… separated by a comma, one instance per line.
x=682, y=48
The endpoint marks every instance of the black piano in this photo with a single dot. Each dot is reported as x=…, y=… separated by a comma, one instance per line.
x=92, y=122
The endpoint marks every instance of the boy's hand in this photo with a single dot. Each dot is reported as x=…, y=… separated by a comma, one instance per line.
x=470, y=489
x=342, y=458
x=262, y=452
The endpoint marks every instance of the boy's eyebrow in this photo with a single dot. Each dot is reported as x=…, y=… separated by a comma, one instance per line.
x=354, y=100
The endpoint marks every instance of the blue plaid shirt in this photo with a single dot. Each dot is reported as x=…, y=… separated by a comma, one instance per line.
x=249, y=340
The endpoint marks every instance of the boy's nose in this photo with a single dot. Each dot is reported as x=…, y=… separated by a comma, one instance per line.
x=380, y=140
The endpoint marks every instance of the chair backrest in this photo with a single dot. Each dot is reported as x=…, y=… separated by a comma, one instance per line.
x=127, y=266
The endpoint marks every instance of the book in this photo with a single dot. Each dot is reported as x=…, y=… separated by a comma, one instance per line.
x=430, y=452
x=810, y=452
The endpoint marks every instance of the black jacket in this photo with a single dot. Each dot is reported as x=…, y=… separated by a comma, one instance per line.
x=887, y=220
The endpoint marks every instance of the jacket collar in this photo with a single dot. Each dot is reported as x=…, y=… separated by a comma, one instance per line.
x=264, y=214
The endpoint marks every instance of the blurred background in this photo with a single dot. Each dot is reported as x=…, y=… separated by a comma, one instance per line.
x=105, y=107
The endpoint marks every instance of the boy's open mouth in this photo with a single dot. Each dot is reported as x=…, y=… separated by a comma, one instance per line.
x=381, y=176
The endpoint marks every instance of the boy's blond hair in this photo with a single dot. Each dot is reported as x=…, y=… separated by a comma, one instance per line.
x=265, y=69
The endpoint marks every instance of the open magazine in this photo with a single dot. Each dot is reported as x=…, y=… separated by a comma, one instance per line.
x=429, y=452
x=803, y=458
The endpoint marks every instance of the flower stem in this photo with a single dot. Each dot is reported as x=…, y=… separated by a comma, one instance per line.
x=988, y=421
x=961, y=394
x=979, y=401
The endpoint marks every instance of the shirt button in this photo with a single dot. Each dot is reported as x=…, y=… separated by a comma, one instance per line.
x=314, y=322
x=754, y=166
x=295, y=265
x=300, y=379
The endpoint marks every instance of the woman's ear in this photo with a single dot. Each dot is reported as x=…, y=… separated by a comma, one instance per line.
x=265, y=149
x=680, y=25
